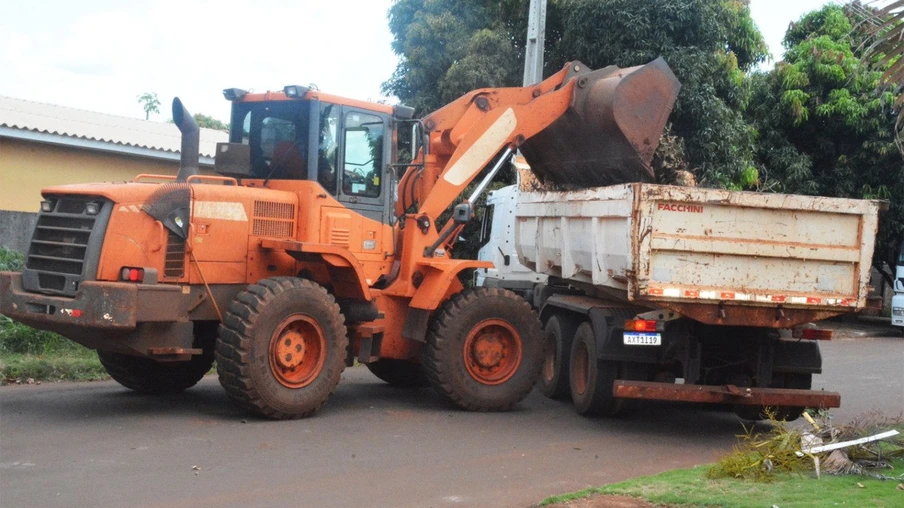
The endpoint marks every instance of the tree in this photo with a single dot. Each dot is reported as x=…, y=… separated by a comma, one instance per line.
x=825, y=127
x=149, y=103
x=886, y=32
x=450, y=47
x=209, y=122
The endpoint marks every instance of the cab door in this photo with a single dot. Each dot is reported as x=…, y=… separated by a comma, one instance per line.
x=353, y=166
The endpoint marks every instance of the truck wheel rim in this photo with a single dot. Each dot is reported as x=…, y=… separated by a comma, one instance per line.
x=492, y=352
x=297, y=351
x=549, y=359
x=580, y=369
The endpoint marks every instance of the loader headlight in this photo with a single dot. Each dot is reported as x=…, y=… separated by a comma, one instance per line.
x=234, y=94
x=47, y=205
x=92, y=208
x=295, y=91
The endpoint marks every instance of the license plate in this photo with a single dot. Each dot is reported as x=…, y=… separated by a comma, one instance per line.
x=642, y=339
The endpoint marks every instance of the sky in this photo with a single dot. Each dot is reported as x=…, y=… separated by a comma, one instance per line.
x=100, y=55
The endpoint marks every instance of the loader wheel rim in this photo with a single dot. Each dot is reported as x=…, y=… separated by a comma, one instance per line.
x=580, y=369
x=493, y=352
x=297, y=351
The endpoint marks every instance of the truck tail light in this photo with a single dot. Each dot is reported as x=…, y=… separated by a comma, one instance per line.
x=814, y=334
x=129, y=274
x=640, y=325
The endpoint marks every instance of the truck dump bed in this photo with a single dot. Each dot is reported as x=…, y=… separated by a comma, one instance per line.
x=720, y=257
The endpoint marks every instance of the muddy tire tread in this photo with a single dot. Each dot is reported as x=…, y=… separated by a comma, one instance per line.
x=234, y=347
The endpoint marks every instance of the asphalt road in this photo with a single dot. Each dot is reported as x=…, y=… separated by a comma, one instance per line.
x=98, y=445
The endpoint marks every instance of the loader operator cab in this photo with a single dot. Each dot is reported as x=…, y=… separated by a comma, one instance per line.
x=346, y=148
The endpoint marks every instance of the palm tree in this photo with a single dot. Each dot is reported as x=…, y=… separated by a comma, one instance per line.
x=883, y=21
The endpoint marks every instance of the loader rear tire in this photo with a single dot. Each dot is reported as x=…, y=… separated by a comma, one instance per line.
x=401, y=373
x=151, y=377
x=590, y=379
x=483, y=349
x=282, y=348
x=558, y=334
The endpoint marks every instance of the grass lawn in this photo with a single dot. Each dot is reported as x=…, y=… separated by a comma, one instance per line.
x=43, y=356
x=691, y=487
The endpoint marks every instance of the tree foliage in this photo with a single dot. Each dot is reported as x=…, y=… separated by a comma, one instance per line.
x=450, y=47
x=150, y=103
x=825, y=127
x=209, y=122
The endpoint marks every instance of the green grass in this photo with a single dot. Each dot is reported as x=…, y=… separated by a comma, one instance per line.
x=691, y=487
x=51, y=368
x=43, y=356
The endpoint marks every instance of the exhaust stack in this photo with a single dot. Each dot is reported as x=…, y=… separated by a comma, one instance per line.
x=191, y=140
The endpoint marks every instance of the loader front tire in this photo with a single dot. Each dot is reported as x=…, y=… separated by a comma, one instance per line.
x=484, y=349
x=151, y=377
x=558, y=335
x=282, y=348
x=401, y=373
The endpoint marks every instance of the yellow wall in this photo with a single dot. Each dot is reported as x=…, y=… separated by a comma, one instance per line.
x=26, y=167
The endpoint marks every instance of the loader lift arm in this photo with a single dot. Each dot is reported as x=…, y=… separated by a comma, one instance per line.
x=594, y=126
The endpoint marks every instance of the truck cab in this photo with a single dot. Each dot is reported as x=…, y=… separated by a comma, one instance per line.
x=497, y=240
x=897, y=301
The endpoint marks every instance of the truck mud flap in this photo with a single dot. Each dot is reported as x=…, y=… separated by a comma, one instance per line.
x=725, y=394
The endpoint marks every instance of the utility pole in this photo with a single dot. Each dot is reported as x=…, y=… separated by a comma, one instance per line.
x=536, y=41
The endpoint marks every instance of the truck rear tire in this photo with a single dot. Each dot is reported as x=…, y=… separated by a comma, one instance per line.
x=401, y=373
x=484, y=350
x=590, y=379
x=148, y=376
x=558, y=334
x=282, y=348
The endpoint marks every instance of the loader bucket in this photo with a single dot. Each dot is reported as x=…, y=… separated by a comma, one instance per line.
x=611, y=130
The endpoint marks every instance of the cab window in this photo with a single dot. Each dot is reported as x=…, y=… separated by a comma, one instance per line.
x=277, y=135
x=362, y=170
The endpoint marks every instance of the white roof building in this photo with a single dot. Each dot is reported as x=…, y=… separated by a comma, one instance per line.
x=61, y=125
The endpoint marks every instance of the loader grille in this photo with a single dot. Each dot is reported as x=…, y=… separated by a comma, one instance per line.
x=174, y=263
x=65, y=246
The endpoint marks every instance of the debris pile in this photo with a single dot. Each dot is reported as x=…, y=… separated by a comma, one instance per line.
x=866, y=446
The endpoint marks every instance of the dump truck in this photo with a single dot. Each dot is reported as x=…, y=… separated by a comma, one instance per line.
x=659, y=292
x=315, y=246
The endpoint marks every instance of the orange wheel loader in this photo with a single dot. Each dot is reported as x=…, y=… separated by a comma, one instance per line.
x=315, y=247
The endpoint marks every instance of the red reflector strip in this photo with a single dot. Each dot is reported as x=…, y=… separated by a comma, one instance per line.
x=692, y=293
x=656, y=291
x=778, y=299
x=814, y=300
x=816, y=334
x=727, y=296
